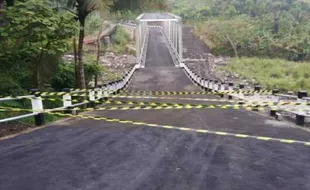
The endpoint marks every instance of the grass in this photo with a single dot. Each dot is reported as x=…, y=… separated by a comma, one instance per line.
x=26, y=105
x=273, y=73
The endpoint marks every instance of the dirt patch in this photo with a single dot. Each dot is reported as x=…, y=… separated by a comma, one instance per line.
x=193, y=48
x=198, y=58
x=10, y=128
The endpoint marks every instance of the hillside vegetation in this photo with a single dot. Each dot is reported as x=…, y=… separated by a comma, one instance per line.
x=35, y=34
x=268, y=29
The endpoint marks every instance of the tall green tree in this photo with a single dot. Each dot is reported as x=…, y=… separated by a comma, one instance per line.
x=83, y=9
x=32, y=32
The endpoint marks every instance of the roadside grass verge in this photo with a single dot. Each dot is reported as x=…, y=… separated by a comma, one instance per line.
x=49, y=118
x=272, y=73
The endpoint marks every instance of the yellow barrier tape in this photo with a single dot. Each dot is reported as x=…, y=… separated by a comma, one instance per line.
x=248, y=107
x=85, y=92
x=204, y=131
x=281, y=103
x=162, y=93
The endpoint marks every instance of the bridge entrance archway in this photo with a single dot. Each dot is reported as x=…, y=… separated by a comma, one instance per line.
x=171, y=27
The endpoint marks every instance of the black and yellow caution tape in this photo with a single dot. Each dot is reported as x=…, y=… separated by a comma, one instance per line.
x=256, y=103
x=281, y=103
x=84, y=92
x=202, y=131
x=161, y=93
x=248, y=107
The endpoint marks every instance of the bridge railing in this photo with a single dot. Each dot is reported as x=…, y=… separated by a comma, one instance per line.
x=89, y=97
x=172, y=30
x=171, y=27
x=257, y=95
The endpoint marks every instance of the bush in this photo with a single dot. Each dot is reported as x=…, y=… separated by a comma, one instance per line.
x=65, y=73
x=93, y=23
x=120, y=39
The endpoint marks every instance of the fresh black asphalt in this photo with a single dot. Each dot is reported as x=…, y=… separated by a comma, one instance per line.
x=80, y=154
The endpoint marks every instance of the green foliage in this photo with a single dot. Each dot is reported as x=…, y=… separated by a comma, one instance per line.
x=258, y=28
x=273, y=73
x=123, y=15
x=32, y=33
x=64, y=77
x=65, y=73
x=93, y=23
x=119, y=40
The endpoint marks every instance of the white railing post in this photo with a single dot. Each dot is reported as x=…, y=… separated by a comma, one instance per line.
x=99, y=93
x=180, y=40
x=37, y=107
x=241, y=87
x=223, y=86
x=91, y=98
x=300, y=95
x=215, y=85
x=105, y=91
x=67, y=100
x=257, y=89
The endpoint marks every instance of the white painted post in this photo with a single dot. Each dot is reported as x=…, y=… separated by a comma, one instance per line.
x=257, y=89
x=241, y=87
x=206, y=83
x=67, y=101
x=91, y=95
x=99, y=93
x=223, y=87
x=171, y=39
x=169, y=30
x=37, y=104
x=300, y=95
x=180, y=40
x=138, y=41
x=105, y=91
x=230, y=86
x=37, y=107
x=176, y=30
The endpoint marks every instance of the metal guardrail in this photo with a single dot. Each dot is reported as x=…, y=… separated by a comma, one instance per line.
x=93, y=95
x=275, y=96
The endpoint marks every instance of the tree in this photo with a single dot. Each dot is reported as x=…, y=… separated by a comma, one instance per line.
x=32, y=33
x=83, y=9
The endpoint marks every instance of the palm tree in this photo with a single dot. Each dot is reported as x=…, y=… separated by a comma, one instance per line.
x=83, y=9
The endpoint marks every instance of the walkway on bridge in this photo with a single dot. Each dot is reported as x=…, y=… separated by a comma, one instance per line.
x=89, y=154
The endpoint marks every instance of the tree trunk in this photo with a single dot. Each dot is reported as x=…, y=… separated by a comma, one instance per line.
x=81, y=74
x=1, y=4
x=1, y=7
x=236, y=52
x=234, y=46
x=75, y=63
x=275, y=25
x=98, y=56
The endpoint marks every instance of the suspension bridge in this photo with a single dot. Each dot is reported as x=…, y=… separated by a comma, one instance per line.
x=158, y=144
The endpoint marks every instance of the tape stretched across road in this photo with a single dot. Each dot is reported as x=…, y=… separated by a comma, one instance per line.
x=161, y=93
x=203, y=131
x=163, y=106
x=85, y=92
x=212, y=100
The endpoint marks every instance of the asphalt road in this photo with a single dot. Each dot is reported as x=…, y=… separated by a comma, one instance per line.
x=88, y=154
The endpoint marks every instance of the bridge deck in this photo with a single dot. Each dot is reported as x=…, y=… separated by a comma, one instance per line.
x=88, y=154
